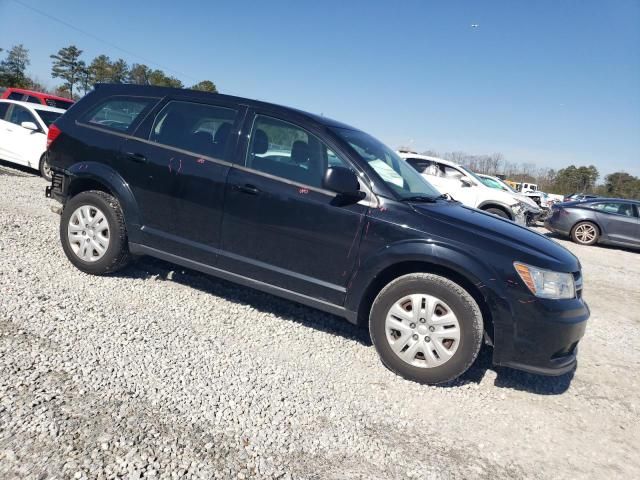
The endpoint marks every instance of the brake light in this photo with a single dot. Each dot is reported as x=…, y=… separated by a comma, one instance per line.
x=54, y=132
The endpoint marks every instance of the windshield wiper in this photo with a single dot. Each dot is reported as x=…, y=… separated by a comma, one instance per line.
x=446, y=196
x=420, y=198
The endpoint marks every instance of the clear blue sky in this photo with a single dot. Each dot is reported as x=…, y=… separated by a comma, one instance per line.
x=551, y=82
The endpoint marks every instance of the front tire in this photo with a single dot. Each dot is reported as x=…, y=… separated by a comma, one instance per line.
x=585, y=233
x=426, y=328
x=93, y=233
x=498, y=212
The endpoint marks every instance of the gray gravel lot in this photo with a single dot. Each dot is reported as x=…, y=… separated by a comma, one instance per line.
x=163, y=372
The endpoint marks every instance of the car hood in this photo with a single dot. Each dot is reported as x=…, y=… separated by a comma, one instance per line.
x=489, y=232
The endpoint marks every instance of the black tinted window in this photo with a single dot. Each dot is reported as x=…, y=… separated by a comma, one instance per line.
x=287, y=151
x=15, y=96
x=3, y=110
x=48, y=117
x=118, y=113
x=21, y=114
x=32, y=99
x=58, y=103
x=199, y=128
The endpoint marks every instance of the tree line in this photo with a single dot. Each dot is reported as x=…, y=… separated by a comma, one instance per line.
x=564, y=181
x=79, y=77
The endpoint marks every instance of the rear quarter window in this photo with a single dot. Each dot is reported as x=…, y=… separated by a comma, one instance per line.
x=119, y=113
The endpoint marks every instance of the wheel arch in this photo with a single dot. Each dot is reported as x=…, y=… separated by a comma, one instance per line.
x=447, y=264
x=87, y=176
x=499, y=206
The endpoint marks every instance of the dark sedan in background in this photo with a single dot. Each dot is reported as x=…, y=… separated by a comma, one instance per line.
x=599, y=220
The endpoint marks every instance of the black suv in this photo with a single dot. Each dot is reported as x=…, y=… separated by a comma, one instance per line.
x=313, y=210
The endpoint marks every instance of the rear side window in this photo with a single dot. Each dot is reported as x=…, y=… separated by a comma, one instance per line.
x=195, y=127
x=52, y=102
x=32, y=99
x=3, y=110
x=625, y=209
x=118, y=113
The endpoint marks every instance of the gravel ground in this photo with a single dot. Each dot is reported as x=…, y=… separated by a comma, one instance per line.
x=163, y=372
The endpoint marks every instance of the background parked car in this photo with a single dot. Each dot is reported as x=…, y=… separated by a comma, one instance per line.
x=31, y=96
x=23, y=133
x=600, y=220
x=465, y=187
x=575, y=197
x=534, y=212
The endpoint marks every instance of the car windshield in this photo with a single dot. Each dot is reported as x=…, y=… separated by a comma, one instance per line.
x=506, y=186
x=402, y=178
x=490, y=182
x=48, y=117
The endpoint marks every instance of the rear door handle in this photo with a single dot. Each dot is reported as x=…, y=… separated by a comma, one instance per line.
x=136, y=157
x=248, y=188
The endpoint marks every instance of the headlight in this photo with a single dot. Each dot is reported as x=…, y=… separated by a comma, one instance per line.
x=545, y=283
x=518, y=208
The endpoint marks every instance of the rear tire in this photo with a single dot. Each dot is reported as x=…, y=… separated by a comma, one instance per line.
x=585, y=233
x=45, y=171
x=498, y=213
x=433, y=343
x=95, y=248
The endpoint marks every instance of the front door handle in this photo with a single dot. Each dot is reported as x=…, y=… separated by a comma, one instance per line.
x=248, y=188
x=136, y=157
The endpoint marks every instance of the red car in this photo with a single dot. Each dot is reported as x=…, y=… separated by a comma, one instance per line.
x=23, y=95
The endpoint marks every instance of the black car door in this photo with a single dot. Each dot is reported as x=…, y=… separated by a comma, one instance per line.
x=178, y=164
x=280, y=226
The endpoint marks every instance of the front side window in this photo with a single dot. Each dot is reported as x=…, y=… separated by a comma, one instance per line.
x=426, y=167
x=287, y=151
x=118, y=113
x=3, y=110
x=15, y=96
x=21, y=114
x=403, y=179
x=199, y=128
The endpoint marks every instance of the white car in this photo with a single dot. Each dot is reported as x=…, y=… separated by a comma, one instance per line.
x=23, y=133
x=533, y=212
x=464, y=186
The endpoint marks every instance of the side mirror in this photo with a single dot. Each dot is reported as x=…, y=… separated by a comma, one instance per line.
x=30, y=126
x=342, y=181
x=466, y=182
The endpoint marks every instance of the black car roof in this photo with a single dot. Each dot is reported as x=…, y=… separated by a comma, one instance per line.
x=164, y=91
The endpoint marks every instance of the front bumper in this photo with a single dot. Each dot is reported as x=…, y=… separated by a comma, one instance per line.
x=543, y=336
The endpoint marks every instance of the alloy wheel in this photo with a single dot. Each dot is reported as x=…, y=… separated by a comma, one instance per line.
x=585, y=233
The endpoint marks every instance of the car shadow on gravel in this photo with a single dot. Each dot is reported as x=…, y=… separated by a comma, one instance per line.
x=152, y=268
x=512, y=379
x=15, y=170
x=149, y=267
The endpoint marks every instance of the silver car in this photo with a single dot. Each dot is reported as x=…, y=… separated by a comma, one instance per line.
x=600, y=220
